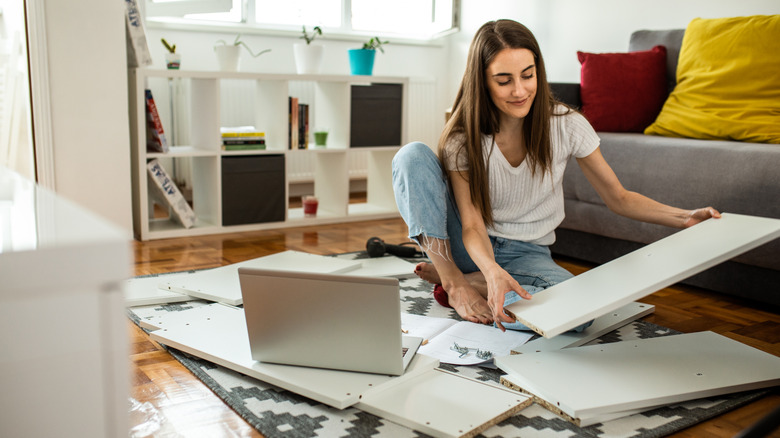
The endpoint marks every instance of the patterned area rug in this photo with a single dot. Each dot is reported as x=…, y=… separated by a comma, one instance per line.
x=275, y=412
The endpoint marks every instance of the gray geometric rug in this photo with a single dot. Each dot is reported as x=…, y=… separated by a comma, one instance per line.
x=275, y=412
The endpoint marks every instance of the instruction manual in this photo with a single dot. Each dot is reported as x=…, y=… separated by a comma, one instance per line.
x=461, y=342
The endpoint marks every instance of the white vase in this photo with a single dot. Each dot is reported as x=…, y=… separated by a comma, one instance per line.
x=228, y=57
x=308, y=58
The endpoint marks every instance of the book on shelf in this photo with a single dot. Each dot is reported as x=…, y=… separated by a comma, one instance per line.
x=303, y=126
x=137, y=48
x=243, y=147
x=155, y=135
x=165, y=191
x=293, y=132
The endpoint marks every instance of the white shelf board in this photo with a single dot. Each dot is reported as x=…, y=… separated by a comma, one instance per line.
x=364, y=208
x=183, y=152
x=169, y=225
x=442, y=404
x=600, y=290
x=601, y=326
x=143, y=291
x=518, y=384
x=220, y=336
x=213, y=74
x=621, y=376
x=222, y=284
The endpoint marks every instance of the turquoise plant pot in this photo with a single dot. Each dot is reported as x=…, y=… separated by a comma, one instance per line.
x=361, y=61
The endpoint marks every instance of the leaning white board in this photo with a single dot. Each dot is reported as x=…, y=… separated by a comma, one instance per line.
x=601, y=326
x=144, y=291
x=591, y=294
x=622, y=376
x=442, y=404
x=220, y=336
x=221, y=284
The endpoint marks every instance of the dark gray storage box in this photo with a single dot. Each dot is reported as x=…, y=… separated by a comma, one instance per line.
x=253, y=189
x=376, y=115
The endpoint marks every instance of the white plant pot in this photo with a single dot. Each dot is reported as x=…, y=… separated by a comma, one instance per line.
x=308, y=58
x=228, y=57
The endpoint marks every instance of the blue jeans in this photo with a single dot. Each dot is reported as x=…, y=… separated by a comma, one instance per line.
x=428, y=207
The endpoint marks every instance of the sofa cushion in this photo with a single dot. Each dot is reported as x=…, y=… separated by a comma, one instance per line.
x=728, y=82
x=671, y=39
x=622, y=92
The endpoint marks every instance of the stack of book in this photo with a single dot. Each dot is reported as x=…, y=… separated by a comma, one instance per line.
x=242, y=138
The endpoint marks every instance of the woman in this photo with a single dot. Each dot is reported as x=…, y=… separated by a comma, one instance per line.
x=486, y=209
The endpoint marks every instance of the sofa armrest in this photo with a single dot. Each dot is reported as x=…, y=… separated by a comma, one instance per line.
x=568, y=93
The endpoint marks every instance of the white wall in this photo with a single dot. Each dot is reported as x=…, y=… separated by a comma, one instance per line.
x=89, y=109
x=563, y=27
x=416, y=61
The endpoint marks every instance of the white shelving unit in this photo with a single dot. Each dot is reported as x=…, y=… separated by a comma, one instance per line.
x=197, y=139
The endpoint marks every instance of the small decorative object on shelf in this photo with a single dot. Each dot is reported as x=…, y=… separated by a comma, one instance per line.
x=172, y=59
x=310, y=204
x=155, y=136
x=228, y=54
x=361, y=61
x=308, y=57
x=321, y=138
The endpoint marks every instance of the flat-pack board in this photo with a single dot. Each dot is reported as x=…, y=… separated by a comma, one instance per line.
x=604, y=379
x=591, y=294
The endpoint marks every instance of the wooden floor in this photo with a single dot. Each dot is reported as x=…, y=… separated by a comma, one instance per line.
x=186, y=407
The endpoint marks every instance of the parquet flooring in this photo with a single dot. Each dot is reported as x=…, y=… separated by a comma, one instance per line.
x=186, y=407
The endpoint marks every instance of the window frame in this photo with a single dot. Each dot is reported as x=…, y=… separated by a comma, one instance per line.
x=249, y=26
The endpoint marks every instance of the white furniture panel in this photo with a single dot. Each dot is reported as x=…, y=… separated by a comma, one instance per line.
x=601, y=326
x=144, y=291
x=220, y=336
x=222, y=285
x=607, y=287
x=621, y=376
x=519, y=384
x=442, y=404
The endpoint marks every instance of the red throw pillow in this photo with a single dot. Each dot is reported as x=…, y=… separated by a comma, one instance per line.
x=623, y=92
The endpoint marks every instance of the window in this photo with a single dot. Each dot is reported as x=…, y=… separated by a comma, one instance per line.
x=412, y=19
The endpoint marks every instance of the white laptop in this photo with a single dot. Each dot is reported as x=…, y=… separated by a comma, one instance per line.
x=333, y=321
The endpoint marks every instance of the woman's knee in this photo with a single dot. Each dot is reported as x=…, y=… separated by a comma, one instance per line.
x=413, y=153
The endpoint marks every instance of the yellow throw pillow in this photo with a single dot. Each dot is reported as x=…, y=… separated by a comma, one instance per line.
x=728, y=82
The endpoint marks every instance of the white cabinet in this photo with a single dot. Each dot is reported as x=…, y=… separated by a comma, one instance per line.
x=194, y=105
x=63, y=328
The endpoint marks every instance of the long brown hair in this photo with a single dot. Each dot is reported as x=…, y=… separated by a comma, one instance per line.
x=474, y=114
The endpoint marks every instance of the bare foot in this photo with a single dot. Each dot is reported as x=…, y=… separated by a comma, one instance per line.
x=469, y=304
x=427, y=272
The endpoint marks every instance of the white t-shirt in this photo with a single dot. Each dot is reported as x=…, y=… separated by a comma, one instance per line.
x=525, y=207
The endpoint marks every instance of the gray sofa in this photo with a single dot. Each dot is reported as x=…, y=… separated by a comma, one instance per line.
x=731, y=176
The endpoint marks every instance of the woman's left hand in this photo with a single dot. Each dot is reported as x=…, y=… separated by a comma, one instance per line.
x=700, y=215
x=499, y=283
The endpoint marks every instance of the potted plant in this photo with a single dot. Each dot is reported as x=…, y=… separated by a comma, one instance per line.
x=172, y=59
x=308, y=56
x=228, y=54
x=361, y=61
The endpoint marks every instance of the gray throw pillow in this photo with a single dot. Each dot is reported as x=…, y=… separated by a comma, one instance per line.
x=671, y=39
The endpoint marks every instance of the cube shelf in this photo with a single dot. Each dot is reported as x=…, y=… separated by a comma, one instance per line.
x=193, y=105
